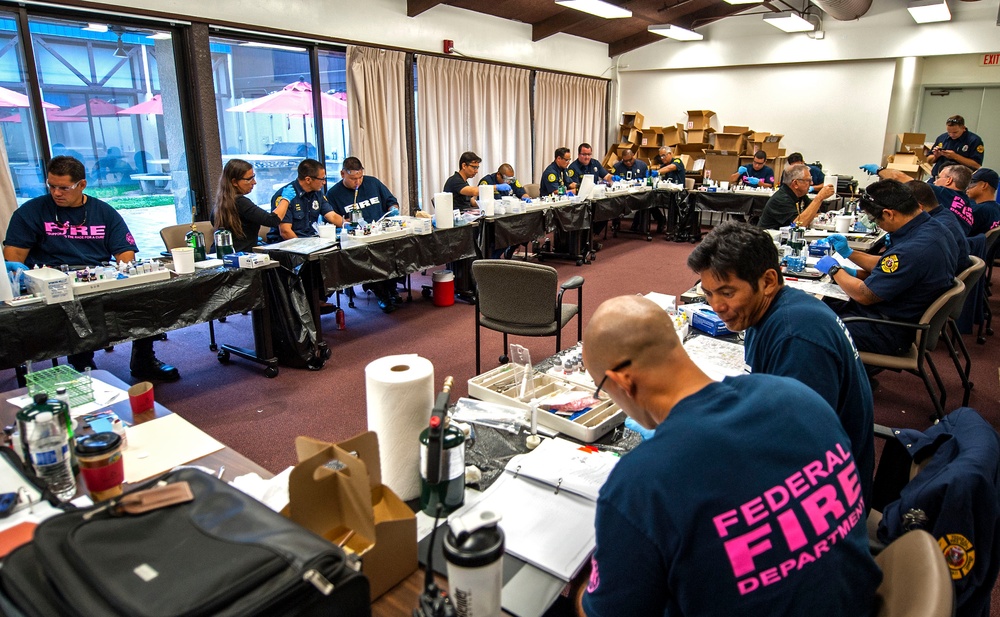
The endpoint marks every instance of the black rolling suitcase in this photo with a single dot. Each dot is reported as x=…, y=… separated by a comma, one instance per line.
x=220, y=553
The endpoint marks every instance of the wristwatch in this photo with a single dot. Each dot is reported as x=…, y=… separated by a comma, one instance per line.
x=834, y=270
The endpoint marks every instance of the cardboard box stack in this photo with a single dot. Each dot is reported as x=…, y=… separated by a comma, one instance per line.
x=630, y=137
x=699, y=126
x=910, y=156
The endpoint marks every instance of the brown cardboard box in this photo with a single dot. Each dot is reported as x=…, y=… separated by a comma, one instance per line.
x=742, y=130
x=722, y=163
x=771, y=145
x=673, y=135
x=623, y=146
x=687, y=160
x=906, y=162
x=758, y=137
x=904, y=141
x=632, y=119
x=729, y=141
x=702, y=136
x=652, y=137
x=629, y=134
x=610, y=158
x=351, y=507
x=699, y=119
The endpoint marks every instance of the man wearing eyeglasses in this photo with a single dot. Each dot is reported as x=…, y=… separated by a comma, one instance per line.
x=360, y=198
x=903, y=281
x=464, y=194
x=787, y=204
x=949, y=187
x=67, y=227
x=746, y=494
x=307, y=202
x=558, y=178
x=586, y=165
x=956, y=145
x=759, y=173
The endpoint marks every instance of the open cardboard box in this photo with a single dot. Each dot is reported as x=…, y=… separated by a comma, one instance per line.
x=772, y=145
x=699, y=119
x=700, y=135
x=673, y=135
x=336, y=491
x=729, y=141
x=722, y=163
x=906, y=162
x=632, y=119
x=906, y=142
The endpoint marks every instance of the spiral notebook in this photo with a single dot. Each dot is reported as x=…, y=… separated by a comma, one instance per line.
x=547, y=499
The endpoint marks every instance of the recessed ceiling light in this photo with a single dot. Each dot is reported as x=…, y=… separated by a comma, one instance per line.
x=596, y=7
x=743, y=1
x=789, y=22
x=929, y=11
x=94, y=27
x=676, y=32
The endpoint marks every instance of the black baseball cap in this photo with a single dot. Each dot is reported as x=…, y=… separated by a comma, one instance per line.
x=986, y=175
x=955, y=120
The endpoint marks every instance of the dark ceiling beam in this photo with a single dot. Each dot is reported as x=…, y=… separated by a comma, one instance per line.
x=634, y=41
x=560, y=22
x=416, y=7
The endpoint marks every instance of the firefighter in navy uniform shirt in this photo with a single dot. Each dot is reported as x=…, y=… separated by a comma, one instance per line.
x=949, y=188
x=669, y=167
x=746, y=495
x=902, y=282
x=983, y=190
x=631, y=168
x=371, y=200
x=66, y=227
x=585, y=164
x=307, y=202
x=956, y=145
x=505, y=183
x=928, y=202
x=558, y=176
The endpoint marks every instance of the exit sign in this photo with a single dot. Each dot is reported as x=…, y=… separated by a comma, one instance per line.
x=990, y=60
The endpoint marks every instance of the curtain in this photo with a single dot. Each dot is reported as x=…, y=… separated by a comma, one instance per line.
x=8, y=201
x=376, y=98
x=464, y=105
x=569, y=110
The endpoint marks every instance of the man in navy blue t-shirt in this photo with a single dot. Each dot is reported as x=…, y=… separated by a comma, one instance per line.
x=949, y=187
x=757, y=174
x=306, y=197
x=586, y=165
x=928, y=201
x=956, y=145
x=788, y=332
x=746, y=495
x=983, y=190
x=67, y=227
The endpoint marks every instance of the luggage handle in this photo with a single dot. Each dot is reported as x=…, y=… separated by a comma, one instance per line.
x=140, y=502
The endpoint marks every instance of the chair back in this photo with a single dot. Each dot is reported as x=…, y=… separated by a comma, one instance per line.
x=937, y=315
x=991, y=243
x=915, y=578
x=173, y=235
x=516, y=291
x=533, y=190
x=969, y=277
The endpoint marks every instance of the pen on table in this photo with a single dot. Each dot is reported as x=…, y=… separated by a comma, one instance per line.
x=222, y=470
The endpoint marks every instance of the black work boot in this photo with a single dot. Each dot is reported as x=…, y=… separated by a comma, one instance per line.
x=145, y=366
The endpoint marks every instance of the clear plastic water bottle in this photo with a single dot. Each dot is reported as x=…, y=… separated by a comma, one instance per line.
x=47, y=445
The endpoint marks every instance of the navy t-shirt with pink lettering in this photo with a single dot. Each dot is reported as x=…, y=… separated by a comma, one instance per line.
x=81, y=236
x=746, y=501
x=958, y=203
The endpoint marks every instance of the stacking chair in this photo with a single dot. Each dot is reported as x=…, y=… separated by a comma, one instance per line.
x=970, y=277
x=992, y=253
x=929, y=330
x=533, y=190
x=525, y=299
x=915, y=578
x=173, y=237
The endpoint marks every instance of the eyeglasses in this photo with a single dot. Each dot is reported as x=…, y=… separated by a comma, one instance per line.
x=615, y=369
x=63, y=189
x=323, y=179
x=252, y=178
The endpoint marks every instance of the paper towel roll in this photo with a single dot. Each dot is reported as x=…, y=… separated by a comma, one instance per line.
x=444, y=217
x=486, y=199
x=400, y=392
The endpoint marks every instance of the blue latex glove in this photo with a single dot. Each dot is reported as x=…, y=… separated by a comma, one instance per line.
x=811, y=190
x=825, y=263
x=839, y=244
x=753, y=181
x=570, y=194
x=645, y=433
x=14, y=266
x=742, y=170
x=888, y=241
x=616, y=178
x=850, y=271
x=526, y=199
x=393, y=211
x=871, y=168
x=503, y=187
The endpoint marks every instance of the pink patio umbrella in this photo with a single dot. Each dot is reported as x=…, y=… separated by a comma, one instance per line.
x=152, y=106
x=295, y=99
x=52, y=115
x=93, y=108
x=9, y=98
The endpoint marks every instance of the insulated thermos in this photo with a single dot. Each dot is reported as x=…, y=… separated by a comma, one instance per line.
x=196, y=240
x=223, y=243
x=474, y=548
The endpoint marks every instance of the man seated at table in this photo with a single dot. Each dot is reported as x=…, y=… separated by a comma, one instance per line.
x=306, y=204
x=957, y=145
x=631, y=168
x=900, y=284
x=505, y=184
x=745, y=501
x=787, y=204
x=585, y=164
x=67, y=227
x=670, y=168
x=928, y=202
x=986, y=211
x=817, y=175
x=365, y=200
x=758, y=174
x=558, y=178
x=949, y=187
x=463, y=194
x=788, y=332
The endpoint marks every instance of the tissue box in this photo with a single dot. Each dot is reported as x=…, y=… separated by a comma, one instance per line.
x=704, y=318
x=246, y=260
x=52, y=285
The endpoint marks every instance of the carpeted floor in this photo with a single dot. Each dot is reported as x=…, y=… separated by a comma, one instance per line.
x=261, y=417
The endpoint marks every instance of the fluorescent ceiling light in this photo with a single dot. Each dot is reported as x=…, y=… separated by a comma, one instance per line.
x=929, y=11
x=676, y=32
x=161, y=36
x=596, y=7
x=92, y=27
x=743, y=1
x=271, y=46
x=789, y=22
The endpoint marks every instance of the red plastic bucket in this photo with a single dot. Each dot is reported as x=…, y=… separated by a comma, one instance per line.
x=444, y=288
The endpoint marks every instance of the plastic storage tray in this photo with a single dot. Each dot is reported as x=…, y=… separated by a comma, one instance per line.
x=500, y=385
x=78, y=387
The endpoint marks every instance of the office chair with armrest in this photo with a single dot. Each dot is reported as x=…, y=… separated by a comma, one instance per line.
x=928, y=330
x=915, y=578
x=533, y=190
x=525, y=299
x=953, y=341
x=992, y=252
x=173, y=237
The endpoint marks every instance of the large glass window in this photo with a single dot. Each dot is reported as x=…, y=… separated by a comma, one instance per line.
x=17, y=121
x=333, y=78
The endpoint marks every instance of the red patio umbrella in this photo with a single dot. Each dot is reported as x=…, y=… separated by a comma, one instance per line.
x=9, y=98
x=152, y=106
x=295, y=99
x=97, y=107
